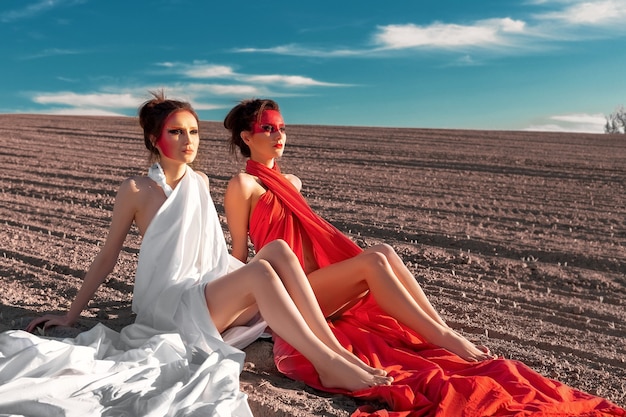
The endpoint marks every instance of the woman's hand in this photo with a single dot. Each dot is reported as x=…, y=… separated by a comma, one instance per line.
x=49, y=320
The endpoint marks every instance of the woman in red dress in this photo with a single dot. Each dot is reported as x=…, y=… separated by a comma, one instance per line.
x=373, y=303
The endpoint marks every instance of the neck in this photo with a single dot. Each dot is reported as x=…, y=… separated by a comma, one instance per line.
x=174, y=171
x=264, y=161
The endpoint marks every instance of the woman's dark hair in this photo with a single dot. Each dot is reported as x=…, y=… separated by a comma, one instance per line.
x=152, y=116
x=242, y=117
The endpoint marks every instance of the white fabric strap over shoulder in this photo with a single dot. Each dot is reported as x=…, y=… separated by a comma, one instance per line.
x=155, y=172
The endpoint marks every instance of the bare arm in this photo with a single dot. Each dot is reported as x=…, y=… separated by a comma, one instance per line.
x=123, y=215
x=238, y=205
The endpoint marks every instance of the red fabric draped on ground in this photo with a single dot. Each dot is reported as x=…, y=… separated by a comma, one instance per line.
x=428, y=380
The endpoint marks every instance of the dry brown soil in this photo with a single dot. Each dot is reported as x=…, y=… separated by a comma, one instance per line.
x=518, y=238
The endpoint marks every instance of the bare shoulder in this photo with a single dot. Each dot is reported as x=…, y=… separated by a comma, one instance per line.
x=134, y=185
x=139, y=198
x=140, y=192
x=204, y=177
x=294, y=180
x=137, y=185
x=243, y=183
x=243, y=179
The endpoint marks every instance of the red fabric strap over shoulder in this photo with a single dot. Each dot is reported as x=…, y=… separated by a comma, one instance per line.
x=329, y=244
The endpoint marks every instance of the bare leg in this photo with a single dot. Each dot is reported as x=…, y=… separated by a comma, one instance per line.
x=338, y=284
x=286, y=264
x=408, y=280
x=258, y=283
x=412, y=285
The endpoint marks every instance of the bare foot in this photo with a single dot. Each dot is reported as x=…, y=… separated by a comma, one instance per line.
x=459, y=345
x=352, y=358
x=343, y=374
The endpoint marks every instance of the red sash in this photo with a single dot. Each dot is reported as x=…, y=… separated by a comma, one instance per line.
x=428, y=380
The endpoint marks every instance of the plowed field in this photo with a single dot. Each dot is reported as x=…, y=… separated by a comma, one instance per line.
x=518, y=238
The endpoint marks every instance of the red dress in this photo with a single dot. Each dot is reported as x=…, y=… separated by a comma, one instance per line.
x=428, y=380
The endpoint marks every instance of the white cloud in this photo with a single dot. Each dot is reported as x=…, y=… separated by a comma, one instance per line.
x=576, y=122
x=209, y=71
x=233, y=90
x=35, y=9
x=203, y=96
x=487, y=33
x=592, y=13
x=297, y=50
x=207, y=106
x=79, y=111
x=554, y=21
x=51, y=52
x=288, y=80
x=439, y=35
x=203, y=70
x=199, y=69
x=236, y=90
x=597, y=119
x=92, y=100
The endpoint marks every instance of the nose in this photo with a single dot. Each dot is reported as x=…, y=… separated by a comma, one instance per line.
x=187, y=136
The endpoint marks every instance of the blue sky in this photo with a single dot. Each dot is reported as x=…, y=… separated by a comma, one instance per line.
x=494, y=64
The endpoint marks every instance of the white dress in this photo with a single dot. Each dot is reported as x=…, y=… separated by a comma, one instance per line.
x=171, y=362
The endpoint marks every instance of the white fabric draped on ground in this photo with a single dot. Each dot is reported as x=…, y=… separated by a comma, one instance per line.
x=170, y=362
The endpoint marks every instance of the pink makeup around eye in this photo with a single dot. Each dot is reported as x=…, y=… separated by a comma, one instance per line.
x=269, y=117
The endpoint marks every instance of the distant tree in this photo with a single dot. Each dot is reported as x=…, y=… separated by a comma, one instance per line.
x=616, y=121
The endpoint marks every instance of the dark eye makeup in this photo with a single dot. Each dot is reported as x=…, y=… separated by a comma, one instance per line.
x=271, y=129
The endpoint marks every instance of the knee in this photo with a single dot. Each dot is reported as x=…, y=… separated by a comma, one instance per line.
x=278, y=245
x=386, y=250
x=263, y=270
x=279, y=248
x=375, y=261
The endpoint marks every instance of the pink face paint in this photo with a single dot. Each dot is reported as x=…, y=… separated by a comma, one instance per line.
x=271, y=121
x=166, y=146
x=176, y=125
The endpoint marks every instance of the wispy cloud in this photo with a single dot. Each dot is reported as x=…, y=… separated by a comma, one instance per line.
x=299, y=50
x=589, y=13
x=232, y=90
x=289, y=81
x=67, y=79
x=544, y=23
x=103, y=103
x=578, y=122
x=486, y=34
x=439, y=35
x=204, y=70
x=200, y=69
x=35, y=9
x=90, y=100
x=118, y=99
x=51, y=52
x=80, y=111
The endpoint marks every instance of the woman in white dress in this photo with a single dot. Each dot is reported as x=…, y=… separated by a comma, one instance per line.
x=186, y=282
